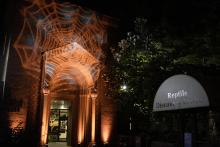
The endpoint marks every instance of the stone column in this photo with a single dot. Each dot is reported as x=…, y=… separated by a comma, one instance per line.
x=93, y=125
x=44, y=128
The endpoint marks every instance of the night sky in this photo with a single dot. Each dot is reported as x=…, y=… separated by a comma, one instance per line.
x=182, y=15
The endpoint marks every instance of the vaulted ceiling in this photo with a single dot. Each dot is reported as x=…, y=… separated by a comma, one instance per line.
x=67, y=38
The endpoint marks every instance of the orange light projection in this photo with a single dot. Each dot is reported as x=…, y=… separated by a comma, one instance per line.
x=69, y=40
x=49, y=26
x=107, y=122
x=106, y=129
x=75, y=62
x=44, y=129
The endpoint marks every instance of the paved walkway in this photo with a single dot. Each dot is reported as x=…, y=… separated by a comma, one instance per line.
x=57, y=144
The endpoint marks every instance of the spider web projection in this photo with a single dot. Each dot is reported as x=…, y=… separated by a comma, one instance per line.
x=61, y=30
x=74, y=61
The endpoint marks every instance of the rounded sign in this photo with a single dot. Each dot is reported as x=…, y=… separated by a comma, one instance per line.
x=180, y=92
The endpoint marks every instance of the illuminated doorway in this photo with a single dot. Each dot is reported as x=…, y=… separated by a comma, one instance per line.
x=59, y=121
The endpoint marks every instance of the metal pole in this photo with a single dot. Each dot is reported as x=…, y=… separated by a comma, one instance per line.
x=4, y=66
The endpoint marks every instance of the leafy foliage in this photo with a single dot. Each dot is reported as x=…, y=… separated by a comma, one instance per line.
x=150, y=54
x=134, y=57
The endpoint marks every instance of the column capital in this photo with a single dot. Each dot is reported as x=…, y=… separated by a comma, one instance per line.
x=46, y=91
x=93, y=93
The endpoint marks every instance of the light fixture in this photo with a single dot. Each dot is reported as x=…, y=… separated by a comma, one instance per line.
x=124, y=87
x=105, y=144
x=93, y=144
x=79, y=144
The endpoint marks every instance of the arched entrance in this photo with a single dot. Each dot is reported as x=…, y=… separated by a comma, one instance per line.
x=61, y=47
x=70, y=76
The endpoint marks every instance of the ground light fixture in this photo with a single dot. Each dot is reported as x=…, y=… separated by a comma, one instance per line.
x=105, y=144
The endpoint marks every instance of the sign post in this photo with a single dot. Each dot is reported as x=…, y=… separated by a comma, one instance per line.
x=187, y=139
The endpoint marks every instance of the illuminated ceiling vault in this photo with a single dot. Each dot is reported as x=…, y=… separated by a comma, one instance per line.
x=69, y=37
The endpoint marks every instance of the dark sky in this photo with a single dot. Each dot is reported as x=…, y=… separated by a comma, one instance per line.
x=176, y=11
x=181, y=14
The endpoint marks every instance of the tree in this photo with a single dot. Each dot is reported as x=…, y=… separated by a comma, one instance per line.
x=150, y=54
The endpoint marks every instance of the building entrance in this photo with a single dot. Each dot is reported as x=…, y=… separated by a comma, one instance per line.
x=58, y=121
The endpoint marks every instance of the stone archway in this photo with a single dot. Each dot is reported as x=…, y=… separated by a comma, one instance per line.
x=66, y=73
x=61, y=45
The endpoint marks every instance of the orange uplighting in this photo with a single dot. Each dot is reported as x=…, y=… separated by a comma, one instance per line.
x=80, y=134
x=107, y=122
x=106, y=127
x=45, y=117
x=16, y=120
x=65, y=42
x=106, y=130
x=94, y=96
x=82, y=118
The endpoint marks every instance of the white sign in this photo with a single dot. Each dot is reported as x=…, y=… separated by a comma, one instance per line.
x=180, y=92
